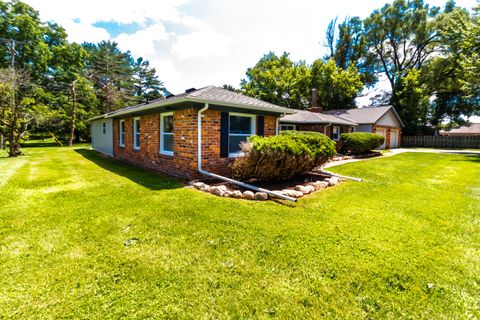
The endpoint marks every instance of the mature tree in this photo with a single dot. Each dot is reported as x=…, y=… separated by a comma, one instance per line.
x=147, y=85
x=16, y=106
x=347, y=47
x=411, y=95
x=447, y=76
x=337, y=88
x=111, y=71
x=278, y=80
x=401, y=36
x=469, y=53
x=28, y=40
x=26, y=45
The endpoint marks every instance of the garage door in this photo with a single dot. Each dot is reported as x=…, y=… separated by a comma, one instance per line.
x=393, y=139
x=382, y=132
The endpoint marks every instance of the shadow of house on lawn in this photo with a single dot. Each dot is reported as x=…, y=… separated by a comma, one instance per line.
x=148, y=179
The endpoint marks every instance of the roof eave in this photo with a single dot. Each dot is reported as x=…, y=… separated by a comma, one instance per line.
x=279, y=110
x=163, y=103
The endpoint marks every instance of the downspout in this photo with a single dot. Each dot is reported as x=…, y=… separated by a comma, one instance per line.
x=216, y=176
x=328, y=173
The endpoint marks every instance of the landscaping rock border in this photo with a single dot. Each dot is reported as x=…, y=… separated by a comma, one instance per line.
x=297, y=191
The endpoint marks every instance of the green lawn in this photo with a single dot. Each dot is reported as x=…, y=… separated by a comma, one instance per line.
x=403, y=244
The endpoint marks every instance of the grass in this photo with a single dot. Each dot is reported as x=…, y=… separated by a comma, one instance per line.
x=88, y=238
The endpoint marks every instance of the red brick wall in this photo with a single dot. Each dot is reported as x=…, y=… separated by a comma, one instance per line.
x=184, y=161
x=182, y=164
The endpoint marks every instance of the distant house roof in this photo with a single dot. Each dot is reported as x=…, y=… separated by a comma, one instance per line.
x=472, y=129
x=367, y=115
x=308, y=117
x=210, y=94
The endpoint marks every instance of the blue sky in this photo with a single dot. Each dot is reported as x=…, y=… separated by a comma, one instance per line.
x=195, y=43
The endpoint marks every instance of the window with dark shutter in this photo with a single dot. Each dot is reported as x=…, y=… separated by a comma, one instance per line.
x=224, y=134
x=261, y=126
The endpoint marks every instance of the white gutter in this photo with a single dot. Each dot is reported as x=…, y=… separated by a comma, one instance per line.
x=216, y=176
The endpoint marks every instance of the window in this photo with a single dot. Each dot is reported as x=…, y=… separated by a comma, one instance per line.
x=284, y=127
x=121, y=133
x=241, y=126
x=136, y=133
x=166, y=133
x=336, y=133
x=104, y=127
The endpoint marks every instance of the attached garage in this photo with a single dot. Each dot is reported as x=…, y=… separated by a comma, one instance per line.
x=381, y=120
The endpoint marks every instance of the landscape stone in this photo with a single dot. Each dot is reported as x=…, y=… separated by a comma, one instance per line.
x=217, y=191
x=198, y=185
x=261, y=196
x=237, y=194
x=249, y=195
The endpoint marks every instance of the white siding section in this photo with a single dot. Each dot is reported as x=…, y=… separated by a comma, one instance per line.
x=388, y=120
x=102, y=140
x=363, y=128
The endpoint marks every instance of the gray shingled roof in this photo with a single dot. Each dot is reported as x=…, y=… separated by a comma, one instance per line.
x=211, y=95
x=367, y=115
x=306, y=117
x=468, y=129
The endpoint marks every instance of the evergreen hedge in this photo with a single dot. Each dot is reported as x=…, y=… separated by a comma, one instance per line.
x=282, y=157
x=359, y=142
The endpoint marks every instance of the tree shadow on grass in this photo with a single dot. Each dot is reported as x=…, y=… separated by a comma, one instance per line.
x=469, y=158
x=39, y=144
x=148, y=179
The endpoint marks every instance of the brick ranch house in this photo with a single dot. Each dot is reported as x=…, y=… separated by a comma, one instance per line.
x=382, y=120
x=166, y=135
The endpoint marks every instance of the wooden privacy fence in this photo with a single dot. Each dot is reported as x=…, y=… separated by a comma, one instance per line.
x=470, y=142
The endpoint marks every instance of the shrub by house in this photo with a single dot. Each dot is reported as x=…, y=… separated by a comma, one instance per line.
x=276, y=158
x=359, y=142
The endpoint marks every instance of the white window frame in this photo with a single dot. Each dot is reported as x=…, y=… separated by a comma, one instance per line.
x=294, y=126
x=162, y=134
x=333, y=133
x=253, y=130
x=121, y=133
x=135, y=133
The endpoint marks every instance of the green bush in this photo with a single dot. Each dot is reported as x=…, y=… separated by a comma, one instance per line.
x=359, y=142
x=282, y=157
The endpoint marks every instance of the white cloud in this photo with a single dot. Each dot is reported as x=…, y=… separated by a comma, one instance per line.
x=142, y=42
x=92, y=11
x=193, y=43
x=81, y=32
x=202, y=44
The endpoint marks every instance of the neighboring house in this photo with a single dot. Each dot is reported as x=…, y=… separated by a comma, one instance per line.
x=468, y=130
x=381, y=120
x=329, y=125
x=164, y=134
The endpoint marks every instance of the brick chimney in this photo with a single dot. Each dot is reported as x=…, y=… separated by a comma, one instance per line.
x=314, y=103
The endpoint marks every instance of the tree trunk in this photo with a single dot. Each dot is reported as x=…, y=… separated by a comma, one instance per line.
x=74, y=114
x=14, y=148
x=2, y=141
